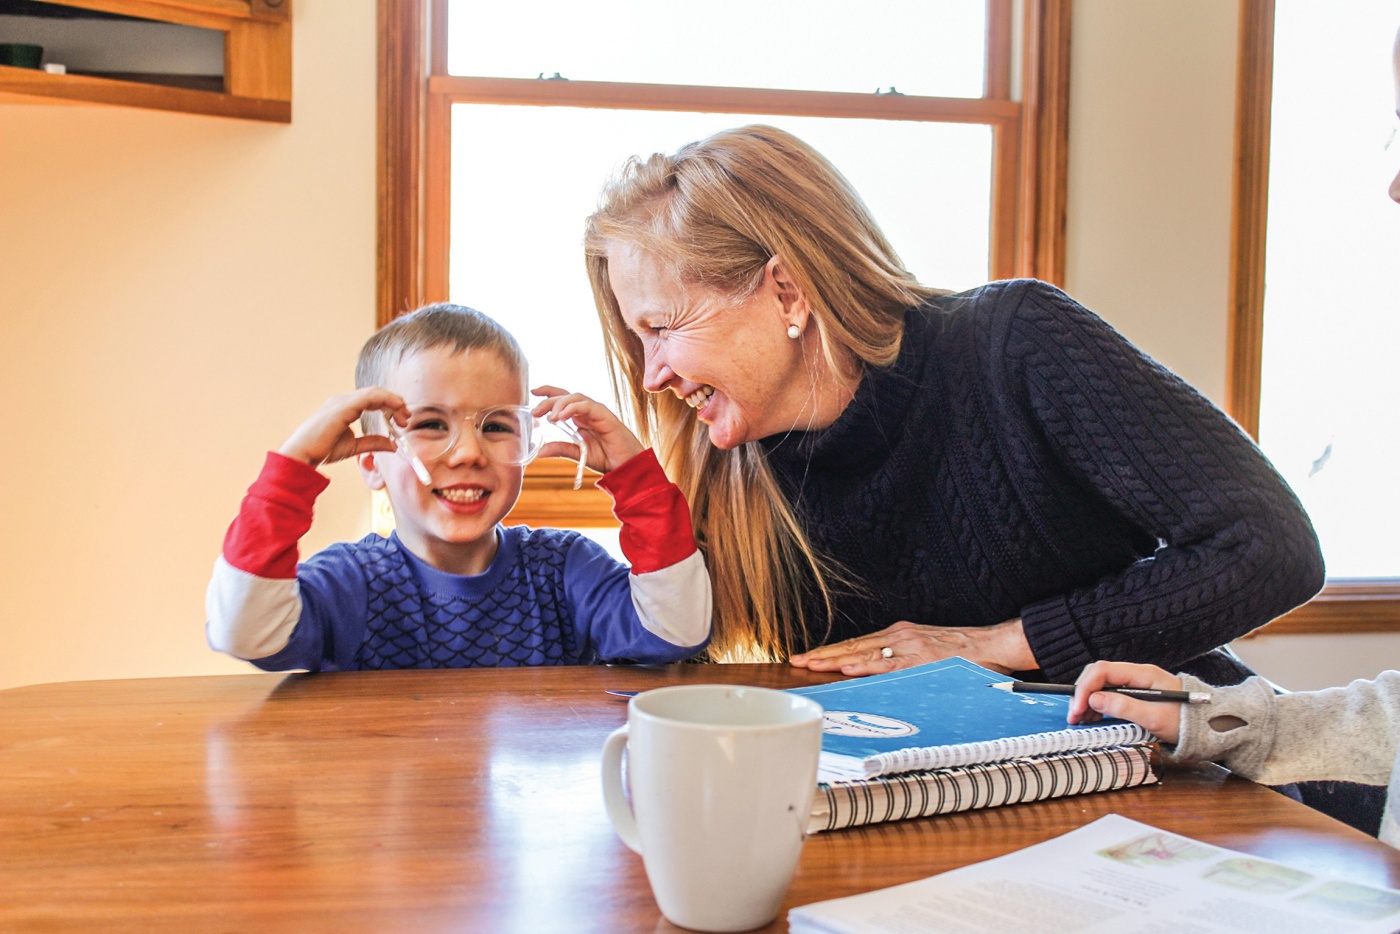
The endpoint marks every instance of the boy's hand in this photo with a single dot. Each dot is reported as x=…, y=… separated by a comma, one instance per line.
x=610, y=443
x=326, y=437
x=1089, y=703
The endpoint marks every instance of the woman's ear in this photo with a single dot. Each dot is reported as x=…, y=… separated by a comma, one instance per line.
x=370, y=471
x=796, y=310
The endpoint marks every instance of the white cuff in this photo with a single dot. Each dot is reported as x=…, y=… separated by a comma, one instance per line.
x=674, y=603
x=249, y=616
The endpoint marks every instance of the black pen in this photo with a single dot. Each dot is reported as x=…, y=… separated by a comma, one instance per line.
x=1147, y=694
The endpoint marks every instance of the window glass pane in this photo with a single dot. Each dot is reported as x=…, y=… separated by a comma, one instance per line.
x=1332, y=309
x=926, y=47
x=518, y=209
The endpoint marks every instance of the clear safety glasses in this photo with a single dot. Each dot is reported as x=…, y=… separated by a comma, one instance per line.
x=506, y=434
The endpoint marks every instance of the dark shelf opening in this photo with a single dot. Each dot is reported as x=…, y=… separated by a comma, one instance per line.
x=213, y=83
x=57, y=11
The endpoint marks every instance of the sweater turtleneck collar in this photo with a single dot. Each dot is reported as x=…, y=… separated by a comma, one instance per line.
x=871, y=425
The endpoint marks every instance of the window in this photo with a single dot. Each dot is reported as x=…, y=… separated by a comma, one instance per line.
x=498, y=136
x=1317, y=323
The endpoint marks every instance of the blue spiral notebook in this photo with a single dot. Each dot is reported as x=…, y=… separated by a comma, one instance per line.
x=944, y=715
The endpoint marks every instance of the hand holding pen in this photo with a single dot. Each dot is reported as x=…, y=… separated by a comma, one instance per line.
x=1091, y=702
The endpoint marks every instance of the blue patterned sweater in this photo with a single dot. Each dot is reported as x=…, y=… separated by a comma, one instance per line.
x=373, y=604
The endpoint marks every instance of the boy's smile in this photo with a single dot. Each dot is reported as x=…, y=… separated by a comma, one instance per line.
x=464, y=496
x=451, y=523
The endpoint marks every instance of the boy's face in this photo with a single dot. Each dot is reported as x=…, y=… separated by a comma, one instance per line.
x=451, y=524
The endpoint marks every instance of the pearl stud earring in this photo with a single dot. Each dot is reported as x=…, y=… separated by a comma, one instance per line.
x=794, y=331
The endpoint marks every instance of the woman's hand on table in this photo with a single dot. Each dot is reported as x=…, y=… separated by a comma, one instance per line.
x=1002, y=647
x=1089, y=703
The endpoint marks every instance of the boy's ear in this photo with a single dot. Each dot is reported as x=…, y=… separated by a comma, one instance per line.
x=370, y=471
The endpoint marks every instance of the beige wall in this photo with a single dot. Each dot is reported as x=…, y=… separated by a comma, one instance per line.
x=1151, y=155
x=176, y=292
x=1314, y=661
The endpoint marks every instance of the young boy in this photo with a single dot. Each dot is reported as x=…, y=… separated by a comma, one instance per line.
x=452, y=588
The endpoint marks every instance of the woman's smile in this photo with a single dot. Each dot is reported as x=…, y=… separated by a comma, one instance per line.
x=697, y=399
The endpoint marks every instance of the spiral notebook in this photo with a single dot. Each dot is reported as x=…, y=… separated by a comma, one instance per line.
x=839, y=805
x=944, y=715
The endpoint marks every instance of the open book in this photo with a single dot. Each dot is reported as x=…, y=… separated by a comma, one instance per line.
x=944, y=715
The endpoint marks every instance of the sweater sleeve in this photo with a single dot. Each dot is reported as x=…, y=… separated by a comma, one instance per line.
x=669, y=586
x=1235, y=548
x=253, y=602
x=1338, y=734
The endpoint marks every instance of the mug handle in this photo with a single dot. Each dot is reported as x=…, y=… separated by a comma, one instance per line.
x=619, y=811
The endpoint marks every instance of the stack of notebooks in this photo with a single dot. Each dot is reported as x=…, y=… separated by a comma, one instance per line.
x=937, y=739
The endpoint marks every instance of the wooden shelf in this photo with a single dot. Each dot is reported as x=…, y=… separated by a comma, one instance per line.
x=25, y=85
x=257, y=63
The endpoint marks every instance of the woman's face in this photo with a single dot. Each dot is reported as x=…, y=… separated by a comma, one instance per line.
x=731, y=361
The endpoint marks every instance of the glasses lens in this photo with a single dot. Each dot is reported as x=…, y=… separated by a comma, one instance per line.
x=430, y=432
x=506, y=433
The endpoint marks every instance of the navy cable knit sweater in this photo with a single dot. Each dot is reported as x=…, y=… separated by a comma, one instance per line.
x=1023, y=459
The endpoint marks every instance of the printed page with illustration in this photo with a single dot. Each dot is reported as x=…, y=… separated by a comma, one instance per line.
x=1111, y=876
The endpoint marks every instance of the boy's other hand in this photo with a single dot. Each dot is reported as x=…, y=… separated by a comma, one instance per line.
x=1090, y=703
x=326, y=437
x=610, y=443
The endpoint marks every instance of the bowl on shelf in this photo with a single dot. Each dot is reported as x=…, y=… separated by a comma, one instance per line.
x=21, y=54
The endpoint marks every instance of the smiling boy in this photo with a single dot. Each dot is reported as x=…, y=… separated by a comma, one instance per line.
x=452, y=587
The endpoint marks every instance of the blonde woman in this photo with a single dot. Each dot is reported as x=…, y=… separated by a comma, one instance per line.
x=883, y=474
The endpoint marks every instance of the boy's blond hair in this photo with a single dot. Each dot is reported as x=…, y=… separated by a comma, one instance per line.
x=438, y=325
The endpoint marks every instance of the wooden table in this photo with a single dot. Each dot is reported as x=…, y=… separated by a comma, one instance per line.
x=449, y=801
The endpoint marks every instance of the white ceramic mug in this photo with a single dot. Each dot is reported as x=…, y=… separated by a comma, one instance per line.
x=722, y=778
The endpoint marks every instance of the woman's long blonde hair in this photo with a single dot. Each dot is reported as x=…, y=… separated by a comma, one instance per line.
x=715, y=213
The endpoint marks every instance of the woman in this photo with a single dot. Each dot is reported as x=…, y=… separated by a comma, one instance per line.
x=883, y=474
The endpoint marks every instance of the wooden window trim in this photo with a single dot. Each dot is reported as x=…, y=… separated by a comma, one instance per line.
x=1030, y=144
x=403, y=57
x=1253, y=100
x=1044, y=182
x=1343, y=605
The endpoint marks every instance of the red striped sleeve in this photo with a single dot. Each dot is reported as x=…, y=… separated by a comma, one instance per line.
x=655, y=517
x=274, y=516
